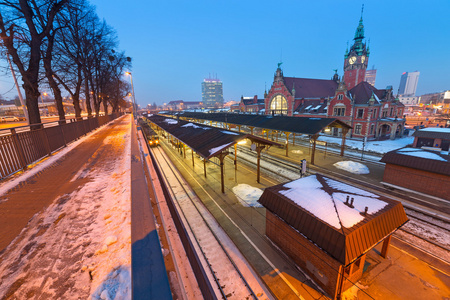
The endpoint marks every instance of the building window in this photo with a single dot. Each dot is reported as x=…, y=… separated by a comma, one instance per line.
x=392, y=112
x=340, y=97
x=339, y=111
x=371, y=128
x=384, y=114
x=374, y=116
x=358, y=129
x=360, y=113
x=278, y=104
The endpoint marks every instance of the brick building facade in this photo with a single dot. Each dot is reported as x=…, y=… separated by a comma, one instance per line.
x=421, y=170
x=371, y=112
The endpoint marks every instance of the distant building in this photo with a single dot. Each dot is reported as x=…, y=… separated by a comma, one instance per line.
x=183, y=105
x=212, y=93
x=371, y=76
x=248, y=104
x=408, y=83
x=409, y=100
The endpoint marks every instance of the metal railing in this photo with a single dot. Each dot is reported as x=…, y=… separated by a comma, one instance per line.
x=20, y=146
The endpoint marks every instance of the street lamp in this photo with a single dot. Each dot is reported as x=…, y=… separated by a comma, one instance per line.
x=132, y=89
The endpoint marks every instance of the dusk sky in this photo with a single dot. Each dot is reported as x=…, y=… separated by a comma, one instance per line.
x=176, y=44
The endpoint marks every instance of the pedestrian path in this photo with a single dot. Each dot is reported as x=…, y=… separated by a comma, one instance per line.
x=65, y=223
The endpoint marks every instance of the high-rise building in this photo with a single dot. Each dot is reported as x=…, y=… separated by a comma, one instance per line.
x=371, y=75
x=408, y=83
x=212, y=92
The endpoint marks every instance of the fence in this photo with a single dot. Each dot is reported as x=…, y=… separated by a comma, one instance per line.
x=22, y=146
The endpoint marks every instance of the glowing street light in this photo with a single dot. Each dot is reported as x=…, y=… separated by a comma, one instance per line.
x=134, y=98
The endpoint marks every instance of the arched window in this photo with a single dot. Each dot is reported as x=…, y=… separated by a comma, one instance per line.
x=278, y=105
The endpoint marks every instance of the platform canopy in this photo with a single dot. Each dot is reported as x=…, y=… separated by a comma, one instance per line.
x=300, y=125
x=206, y=141
x=316, y=207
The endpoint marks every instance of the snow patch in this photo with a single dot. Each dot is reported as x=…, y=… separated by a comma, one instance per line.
x=247, y=195
x=229, y=132
x=217, y=149
x=352, y=167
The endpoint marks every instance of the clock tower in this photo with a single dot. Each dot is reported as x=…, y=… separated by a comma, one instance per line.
x=356, y=59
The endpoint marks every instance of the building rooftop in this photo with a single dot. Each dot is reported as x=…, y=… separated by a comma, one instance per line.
x=316, y=207
x=420, y=159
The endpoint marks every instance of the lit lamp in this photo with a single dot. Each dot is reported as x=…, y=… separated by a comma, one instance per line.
x=132, y=89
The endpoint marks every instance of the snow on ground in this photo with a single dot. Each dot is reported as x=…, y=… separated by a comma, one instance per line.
x=247, y=195
x=352, y=167
x=40, y=165
x=80, y=246
x=371, y=146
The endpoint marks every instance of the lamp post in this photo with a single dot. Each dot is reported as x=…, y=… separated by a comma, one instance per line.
x=134, y=99
x=369, y=112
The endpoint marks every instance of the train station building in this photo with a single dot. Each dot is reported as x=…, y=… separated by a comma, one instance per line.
x=372, y=113
x=327, y=227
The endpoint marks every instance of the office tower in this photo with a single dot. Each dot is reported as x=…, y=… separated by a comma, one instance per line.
x=408, y=83
x=212, y=93
x=371, y=76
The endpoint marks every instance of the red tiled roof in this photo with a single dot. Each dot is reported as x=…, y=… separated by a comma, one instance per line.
x=311, y=88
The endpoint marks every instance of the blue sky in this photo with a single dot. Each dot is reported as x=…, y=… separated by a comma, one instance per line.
x=176, y=44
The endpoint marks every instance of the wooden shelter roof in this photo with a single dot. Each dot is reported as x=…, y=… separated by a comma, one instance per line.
x=301, y=125
x=206, y=141
x=315, y=207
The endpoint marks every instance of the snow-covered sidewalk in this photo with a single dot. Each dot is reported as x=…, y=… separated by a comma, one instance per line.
x=79, y=247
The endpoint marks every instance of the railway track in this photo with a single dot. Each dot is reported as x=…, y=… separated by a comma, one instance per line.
x=229, y=281
x=429, y=228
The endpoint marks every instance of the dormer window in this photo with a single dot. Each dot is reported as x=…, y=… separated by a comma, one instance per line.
x=340, y=97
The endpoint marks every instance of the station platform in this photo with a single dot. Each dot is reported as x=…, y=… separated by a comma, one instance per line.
x=402, y=275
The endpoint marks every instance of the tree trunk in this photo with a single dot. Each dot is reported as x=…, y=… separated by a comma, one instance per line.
x=47, y=59
x=105, y=106
x=87, y=94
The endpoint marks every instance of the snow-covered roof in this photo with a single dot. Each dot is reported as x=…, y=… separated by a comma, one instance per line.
x=420, y=159
x=333, y=215
x=433, y=133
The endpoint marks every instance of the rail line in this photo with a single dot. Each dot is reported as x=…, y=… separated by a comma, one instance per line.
x=413, y=218
x=224, y=271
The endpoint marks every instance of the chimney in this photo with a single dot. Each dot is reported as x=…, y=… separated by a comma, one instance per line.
x=365, y=211
x=255, y=99
x=346, y=200
x=351, y=202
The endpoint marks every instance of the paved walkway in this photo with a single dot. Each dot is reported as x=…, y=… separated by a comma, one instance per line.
x=65, y=231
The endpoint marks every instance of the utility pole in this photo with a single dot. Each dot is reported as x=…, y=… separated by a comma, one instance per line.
x=22, y=103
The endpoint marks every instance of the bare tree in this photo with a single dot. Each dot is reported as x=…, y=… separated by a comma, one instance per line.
x=24, y=25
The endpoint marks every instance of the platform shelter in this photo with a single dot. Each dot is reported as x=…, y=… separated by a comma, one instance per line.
x=272, y=124
x=207, y=141
x=327, y=227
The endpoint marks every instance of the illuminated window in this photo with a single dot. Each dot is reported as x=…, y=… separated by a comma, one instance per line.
x=278, y=104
